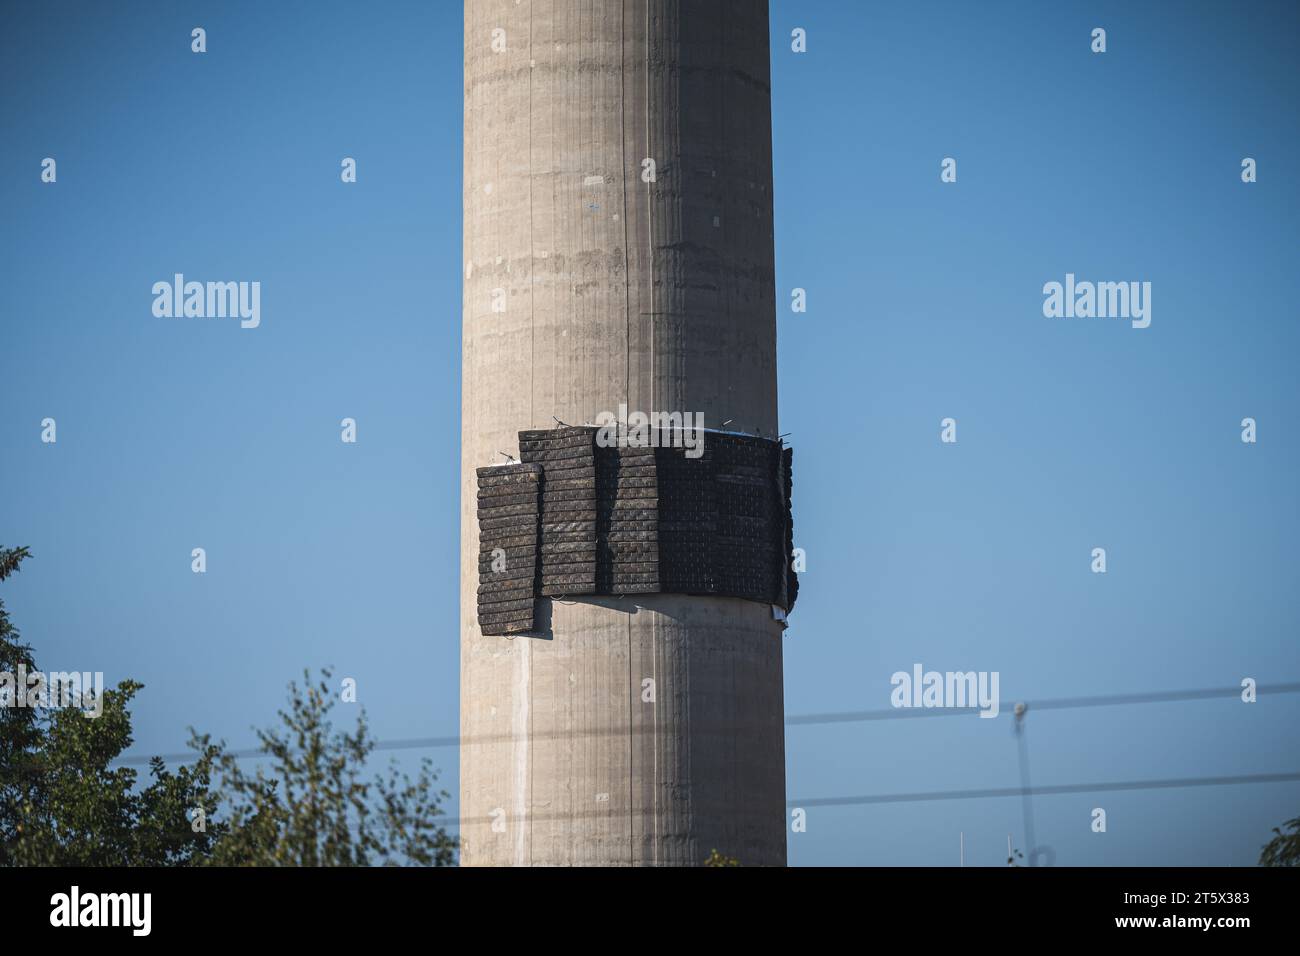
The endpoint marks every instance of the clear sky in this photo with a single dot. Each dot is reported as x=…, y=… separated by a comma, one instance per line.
x=924, y=302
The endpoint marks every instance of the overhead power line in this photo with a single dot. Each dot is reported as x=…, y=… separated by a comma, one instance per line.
x=800, y=720
x=1056, y=703
x=1051, y=790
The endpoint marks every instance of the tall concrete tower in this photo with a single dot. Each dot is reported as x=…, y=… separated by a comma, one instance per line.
x=618, y=250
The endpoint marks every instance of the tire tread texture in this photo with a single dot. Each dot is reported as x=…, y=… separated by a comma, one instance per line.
x=578, y=517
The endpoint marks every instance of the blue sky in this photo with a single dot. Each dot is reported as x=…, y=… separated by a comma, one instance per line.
x=924, y=302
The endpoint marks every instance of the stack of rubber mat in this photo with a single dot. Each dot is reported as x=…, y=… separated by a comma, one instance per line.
x=749, y=530
x=508, y=508
x=635, y=520
x=687, y=520
x=627, y=521
x=568, y=517
x=791, y=579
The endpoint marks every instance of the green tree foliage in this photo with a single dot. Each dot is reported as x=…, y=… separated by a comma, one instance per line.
x=717, y=859
x=310, y=806
x=1284, y=848
x=81, y=811
x=63, y=802
x=18, y=731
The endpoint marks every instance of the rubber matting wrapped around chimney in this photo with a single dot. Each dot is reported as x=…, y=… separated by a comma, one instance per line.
x=791, y=579
x=508, y=509
x=636, y=519
x=627, y=521
x=568, y=517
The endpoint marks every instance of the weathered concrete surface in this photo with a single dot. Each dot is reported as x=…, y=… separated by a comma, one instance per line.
x=615, y=290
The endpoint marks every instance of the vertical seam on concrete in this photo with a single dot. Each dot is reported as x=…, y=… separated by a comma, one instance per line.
x=627, y=400
x=725, y=193
x=532, y=375
x=649, y=207
x=524, y=774
x=688, y=740
x=650, y=250
x=555, y=178
x=627, y=255
x=681, y=348
x=589, y=95
x=654, y=779
x=631, y=737
x=532, y=252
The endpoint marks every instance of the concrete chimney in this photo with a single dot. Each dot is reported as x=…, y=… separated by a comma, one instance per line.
x=618, y=249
